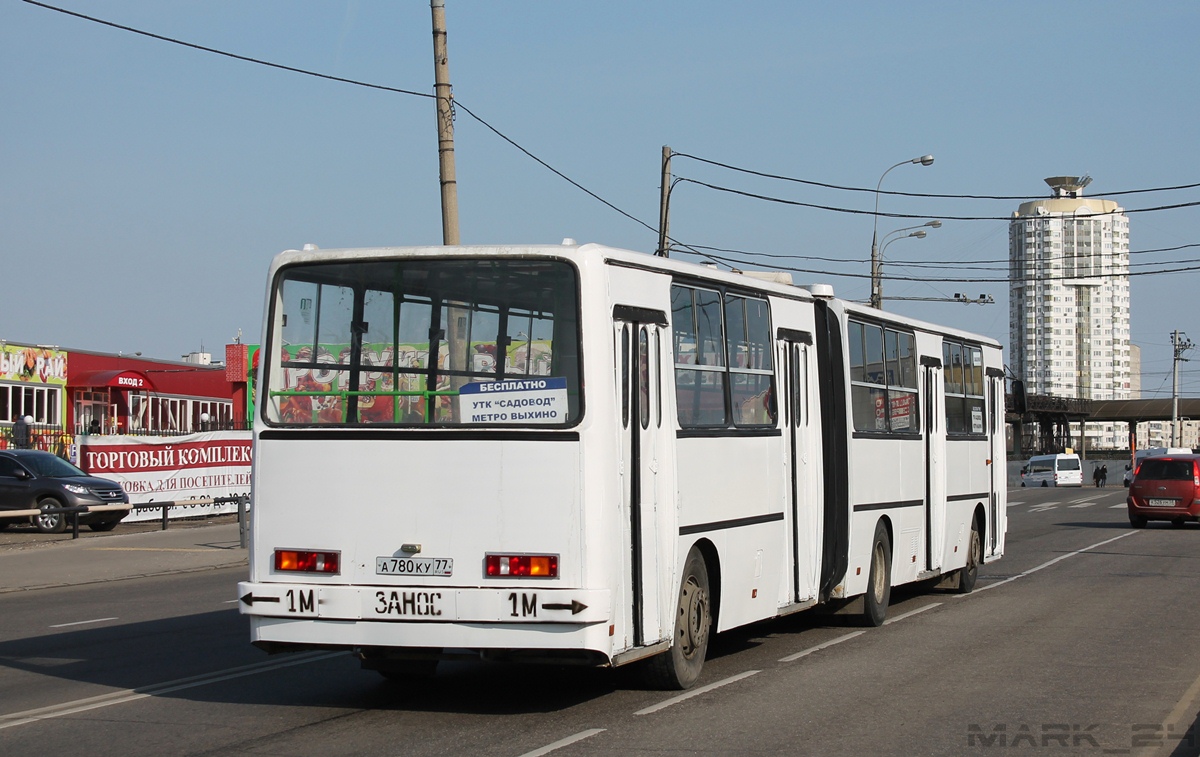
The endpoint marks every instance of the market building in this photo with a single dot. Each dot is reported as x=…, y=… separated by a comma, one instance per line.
x=68, y=392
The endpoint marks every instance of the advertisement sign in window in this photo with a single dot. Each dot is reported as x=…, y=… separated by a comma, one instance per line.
x=540, y=400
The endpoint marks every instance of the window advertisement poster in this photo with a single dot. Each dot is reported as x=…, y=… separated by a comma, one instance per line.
x=176, y=468
x=533, y=400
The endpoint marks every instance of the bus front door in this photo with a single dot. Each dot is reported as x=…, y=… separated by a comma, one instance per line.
x=647, y=505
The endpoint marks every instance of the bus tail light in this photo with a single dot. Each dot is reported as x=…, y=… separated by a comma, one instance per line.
x=306, y=561
x=523, y=566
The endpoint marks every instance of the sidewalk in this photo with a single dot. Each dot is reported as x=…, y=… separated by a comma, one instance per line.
x=118, y=556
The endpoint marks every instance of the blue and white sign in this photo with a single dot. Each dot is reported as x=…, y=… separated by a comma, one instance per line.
x=531, y=400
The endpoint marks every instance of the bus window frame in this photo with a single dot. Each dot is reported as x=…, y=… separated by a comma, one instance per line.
x=263, y=402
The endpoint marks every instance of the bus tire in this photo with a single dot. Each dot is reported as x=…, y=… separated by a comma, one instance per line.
x=679, y=667
x=879, y=579
x=50, y=523
x=969, y=573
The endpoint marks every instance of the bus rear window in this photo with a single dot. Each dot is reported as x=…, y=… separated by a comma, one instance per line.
x=424, y=343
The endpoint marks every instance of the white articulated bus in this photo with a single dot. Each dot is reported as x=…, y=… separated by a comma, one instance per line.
x=579, y=453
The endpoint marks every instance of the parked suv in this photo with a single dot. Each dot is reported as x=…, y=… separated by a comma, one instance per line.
x=32, y=479
x=1165, y=488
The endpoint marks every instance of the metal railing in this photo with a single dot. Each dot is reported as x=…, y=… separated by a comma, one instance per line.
x=74, y=512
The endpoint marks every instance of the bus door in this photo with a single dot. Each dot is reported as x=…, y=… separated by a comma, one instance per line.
x=647, y=507
x=998, y=472
x=935, y=463
x=795, y=347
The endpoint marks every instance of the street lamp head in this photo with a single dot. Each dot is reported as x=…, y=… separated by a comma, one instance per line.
x=934, y=224
x=924, y=160
x=919, y=234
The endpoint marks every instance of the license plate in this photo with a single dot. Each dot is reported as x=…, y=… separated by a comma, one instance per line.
x=414, y=566
x=1160, y=502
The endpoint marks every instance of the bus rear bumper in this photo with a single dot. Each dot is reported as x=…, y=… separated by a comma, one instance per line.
x=427, y=604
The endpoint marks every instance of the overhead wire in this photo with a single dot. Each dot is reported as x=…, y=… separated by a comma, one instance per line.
x=699, y=250
x=906, y=194
x=355, y=82
x=880, y=214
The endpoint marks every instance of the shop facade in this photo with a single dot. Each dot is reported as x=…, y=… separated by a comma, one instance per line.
x=116, y=394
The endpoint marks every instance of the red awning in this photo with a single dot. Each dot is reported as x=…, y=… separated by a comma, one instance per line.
x=120, y=379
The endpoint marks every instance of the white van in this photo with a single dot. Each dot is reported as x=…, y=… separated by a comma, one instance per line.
x=1053, y=470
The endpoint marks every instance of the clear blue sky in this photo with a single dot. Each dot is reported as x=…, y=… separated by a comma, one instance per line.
x=144, y=186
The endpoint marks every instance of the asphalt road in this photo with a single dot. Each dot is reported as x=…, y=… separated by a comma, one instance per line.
x=1084, y=639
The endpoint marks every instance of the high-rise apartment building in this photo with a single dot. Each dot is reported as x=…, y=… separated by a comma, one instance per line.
x=1069, y=299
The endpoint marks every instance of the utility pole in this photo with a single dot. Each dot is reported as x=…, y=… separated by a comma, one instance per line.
x=445, y=123
x=1179, y=343
x=664, y=206
x=455, y=327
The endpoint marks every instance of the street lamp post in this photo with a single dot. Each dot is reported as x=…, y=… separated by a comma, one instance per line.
x=876, y=283
x=877, y=259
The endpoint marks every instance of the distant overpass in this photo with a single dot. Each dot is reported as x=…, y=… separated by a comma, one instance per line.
x=1134, y=411
x=1046, y=424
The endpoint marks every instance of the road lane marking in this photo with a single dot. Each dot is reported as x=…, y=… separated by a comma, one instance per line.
x=1048, y=563
x=1042, y=508
x=1085, y=504
x=695, y=692
x=1119, y=507
x=1081, y=499
x=564, y=742
x=81, y=622
x=130, y=695
x=819, y=647
x=911, y=613
x=1015, y=502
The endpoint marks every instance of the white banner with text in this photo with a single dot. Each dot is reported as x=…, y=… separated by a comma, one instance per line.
x=172, y=468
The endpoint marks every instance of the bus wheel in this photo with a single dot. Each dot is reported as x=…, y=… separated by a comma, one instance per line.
x=969, y=573
x=679, y=667
x=48, y=522
x=879, y=580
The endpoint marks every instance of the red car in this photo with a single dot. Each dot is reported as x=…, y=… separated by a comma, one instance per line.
x=1165, y=488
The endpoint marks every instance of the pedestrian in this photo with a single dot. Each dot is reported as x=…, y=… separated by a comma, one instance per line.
x=1096, y=477
x=20, y=431
x=1103, y=476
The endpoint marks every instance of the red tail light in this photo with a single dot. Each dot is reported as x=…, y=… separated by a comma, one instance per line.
x=521, y=566
x=302, y=561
